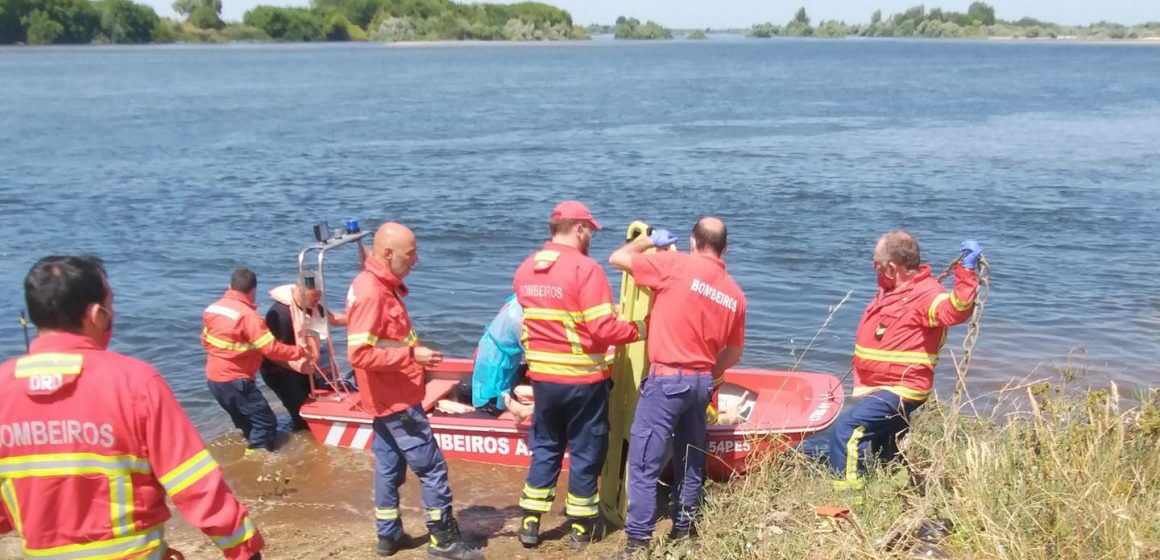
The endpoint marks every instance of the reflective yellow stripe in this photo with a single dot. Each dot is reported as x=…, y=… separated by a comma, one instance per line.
x=71, y=464
x=188, y=473
x=848, y=485
x=386, y=514
x=121, y=496
x=580, y=511
x=531, y=504
x=932, y=311
x=49, y=364
x=904, y=392
x=111, y=549
x=559, y=369
x=852, y=453
x=539, y=493
x=596, y=312
x=589, y=501
x=264, y=340
x=223, y=344
x=435, y=514
x=895, y=356
x=243, y=534
x=8, y=492
x=547, y=256
x=368, y=339
x=961, y=305
x=573, y=337
x=567, y=359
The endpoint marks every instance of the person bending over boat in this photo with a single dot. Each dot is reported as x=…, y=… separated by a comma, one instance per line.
x=696, y=332
x=235, y=340
x=569, y=328
x=895, y=351
x=298, y=317
x=389, y=364
x=499, y=358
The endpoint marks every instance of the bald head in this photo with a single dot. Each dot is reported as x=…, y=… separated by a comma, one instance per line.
x=710, y=236
x=395, y=245
x=898, y=247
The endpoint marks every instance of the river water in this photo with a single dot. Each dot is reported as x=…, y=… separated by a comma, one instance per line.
x=176, y=164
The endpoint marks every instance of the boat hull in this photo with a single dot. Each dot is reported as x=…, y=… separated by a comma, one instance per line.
x=783, y=408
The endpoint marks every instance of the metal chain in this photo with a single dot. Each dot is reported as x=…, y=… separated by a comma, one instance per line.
x=983, y=272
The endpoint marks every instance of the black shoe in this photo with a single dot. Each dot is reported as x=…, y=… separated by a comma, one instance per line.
x=631, y=549
x=447, y=543
x=584, y=532
x=679, y=534
x=387, y=546
x=530, y=531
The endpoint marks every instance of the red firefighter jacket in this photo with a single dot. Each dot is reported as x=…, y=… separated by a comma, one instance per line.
x=901, y=333
x=379, y=342
x=91, y=443
x=235, y=339
x=569, y=324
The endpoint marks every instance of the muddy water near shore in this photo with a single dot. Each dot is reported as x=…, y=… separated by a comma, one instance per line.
x=312, y=501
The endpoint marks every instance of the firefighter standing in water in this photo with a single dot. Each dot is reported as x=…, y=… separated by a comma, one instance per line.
x=92, y=441
x=569, y=327
x=389, y=364
x=236, y=338
x=895, y=351
x=697, y=331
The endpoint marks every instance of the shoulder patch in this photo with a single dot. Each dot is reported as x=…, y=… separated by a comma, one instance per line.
x=545, y=259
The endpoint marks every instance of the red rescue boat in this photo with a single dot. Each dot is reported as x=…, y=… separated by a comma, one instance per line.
x=776, y=409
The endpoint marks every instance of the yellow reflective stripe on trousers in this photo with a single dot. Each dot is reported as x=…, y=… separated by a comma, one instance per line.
x=121, y=504
x=386, y=514
x=537, y=499
x=852, y=453
x=223, y=344
x=188, y=473
x=8, y=492
x=904, y=392
x=71, y=464
x=895, y=356
x=435, y=515
x=111, y=549
x=581, y=507
x=532, y=504
x=49, y=364
x=960, y=305
x=243, y=534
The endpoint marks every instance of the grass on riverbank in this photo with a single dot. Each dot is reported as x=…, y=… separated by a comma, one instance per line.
x=1056, y=474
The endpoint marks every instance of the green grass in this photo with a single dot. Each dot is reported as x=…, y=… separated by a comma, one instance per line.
x=1055, y=474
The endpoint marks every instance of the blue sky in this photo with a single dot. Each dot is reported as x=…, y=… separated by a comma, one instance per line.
x=743, y=13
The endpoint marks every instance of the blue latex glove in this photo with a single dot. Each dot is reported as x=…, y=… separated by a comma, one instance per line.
x=662, y=238
x=971, y=253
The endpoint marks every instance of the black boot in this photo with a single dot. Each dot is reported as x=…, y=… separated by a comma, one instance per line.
x=387, y=546
x=584, y=531
x=678, y=534
x=530, y=530
x=632, y=549
x=447, y=543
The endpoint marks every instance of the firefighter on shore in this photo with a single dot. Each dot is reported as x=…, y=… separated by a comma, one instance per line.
x=697, y=331
x=569, y=328
x=92, y=441
x=896, y=348
x=389, y=364
x=236, y=339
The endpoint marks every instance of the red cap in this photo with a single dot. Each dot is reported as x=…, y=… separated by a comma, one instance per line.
x=572, y=210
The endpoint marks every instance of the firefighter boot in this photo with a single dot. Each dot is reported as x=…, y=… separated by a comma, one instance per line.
x=584, y=531
x=447, y=543
x=530, y=530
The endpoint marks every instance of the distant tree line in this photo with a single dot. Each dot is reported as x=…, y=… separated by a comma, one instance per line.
x=123, y=21
x=978, y=21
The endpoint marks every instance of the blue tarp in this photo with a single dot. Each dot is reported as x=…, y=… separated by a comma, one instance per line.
x=498, y=356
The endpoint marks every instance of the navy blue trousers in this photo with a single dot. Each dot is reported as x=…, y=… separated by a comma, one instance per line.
x=671, y=408
x=248, y=408
x=572, y=418
x=405, y=440
x=867, y=430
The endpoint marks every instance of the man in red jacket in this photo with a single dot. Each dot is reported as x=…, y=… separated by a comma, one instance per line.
x=389, y=363
x=235, y=339
x=569, y=329
x=895, y=351
x=92, y=441
x=697, y=332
